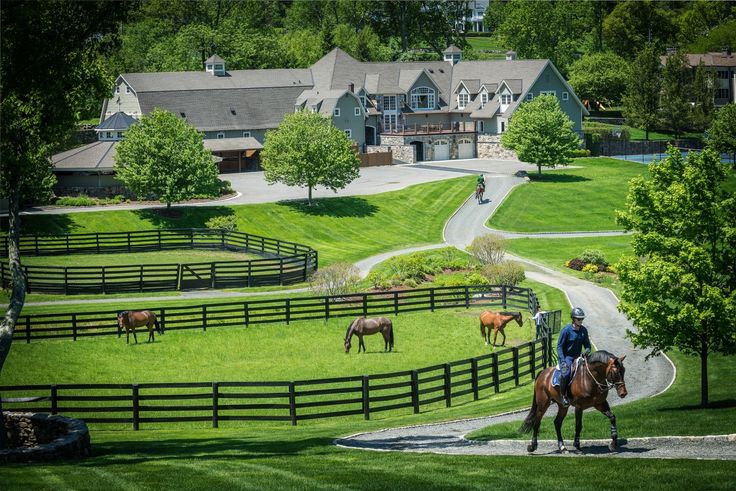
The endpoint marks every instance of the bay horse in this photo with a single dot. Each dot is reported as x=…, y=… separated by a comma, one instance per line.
x=588, y=387
x=479, y=190
x=130, y=319
x=362, y=326
x=496, y=321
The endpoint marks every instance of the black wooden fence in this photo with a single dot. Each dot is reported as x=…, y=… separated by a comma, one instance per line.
x=283, y=310
x=283, y=263
x=292, y=401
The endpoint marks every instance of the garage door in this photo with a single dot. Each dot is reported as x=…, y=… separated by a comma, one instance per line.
x=441, y=150
x=465, y=149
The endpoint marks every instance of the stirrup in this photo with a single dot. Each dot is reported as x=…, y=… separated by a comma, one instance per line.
x=565, y=401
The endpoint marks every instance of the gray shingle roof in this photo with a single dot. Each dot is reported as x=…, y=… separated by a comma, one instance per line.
x=117, y=122
x=236, y=79
x=223, y=144
x=214, y=59
x=93, y=156
x=452, y=49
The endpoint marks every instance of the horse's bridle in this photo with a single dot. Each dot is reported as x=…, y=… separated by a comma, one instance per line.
x=603, y=387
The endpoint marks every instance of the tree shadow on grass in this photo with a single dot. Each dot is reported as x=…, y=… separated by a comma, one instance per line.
x=182, y=216
x=45, y=225
x=557, y=178
x=342, y=207
x=723, y=404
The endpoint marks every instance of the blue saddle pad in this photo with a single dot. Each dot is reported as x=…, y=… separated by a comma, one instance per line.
x=556, y=378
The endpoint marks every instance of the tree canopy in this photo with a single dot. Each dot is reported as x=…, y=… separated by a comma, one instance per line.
x=722, y=133
x=164, y=156
x=674, y=101
x=599, y=77
x=307, y=150
x=680, y=287
x=541, y=134
x=641, y=100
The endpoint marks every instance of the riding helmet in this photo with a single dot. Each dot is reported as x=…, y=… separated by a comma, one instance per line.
x=577, y=313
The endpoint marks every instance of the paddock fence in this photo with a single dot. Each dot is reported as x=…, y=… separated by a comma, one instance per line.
x=76, y=325
x=210, y=403
x=283, y=262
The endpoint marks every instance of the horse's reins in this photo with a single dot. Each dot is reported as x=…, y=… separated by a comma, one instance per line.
x=603, y=387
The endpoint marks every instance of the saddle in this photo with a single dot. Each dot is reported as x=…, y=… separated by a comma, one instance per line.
x=573, y=369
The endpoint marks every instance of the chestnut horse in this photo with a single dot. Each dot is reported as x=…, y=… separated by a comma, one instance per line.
x=479, y=190
x=362, y=326
x=130, y=319
x=496, y=321
x=588, y=387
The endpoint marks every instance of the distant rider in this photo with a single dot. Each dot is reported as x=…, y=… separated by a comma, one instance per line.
x=481, y=181
x=573, y=338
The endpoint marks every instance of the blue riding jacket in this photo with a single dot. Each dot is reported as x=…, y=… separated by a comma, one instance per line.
x=570, y=344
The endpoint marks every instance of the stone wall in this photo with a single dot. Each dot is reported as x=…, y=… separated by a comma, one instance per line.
x=489, y=147
x=402, y=154
x=43, y=437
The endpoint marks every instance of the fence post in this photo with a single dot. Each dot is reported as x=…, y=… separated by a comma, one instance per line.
x=250, y=273
x=292, y=403
x=503, y=296
x=54, y=399
x=140, y=285
x=66, y=283
x=532, y=356
x=159, y=239
x=431, y=299
x=128, y=241
x=281, y=271
x=136, y=408
x=474, y=377
x=222, y=238
x=467, y=297
x=327, y=308
x=104, y=286
x=97, y=241
x=74, y=327
x=288, y=311
x=213, y=276
x=36, y=237
x=515, y=351
x=396, y=303
x=246, y=313
x=28, y=282
x=494, y=372
x=163, y=320
x=365, y=305
x=28, y=329
x=448, y=389
x=415, y=391
x=204, y=317
x=366, y=400
x=215, y=404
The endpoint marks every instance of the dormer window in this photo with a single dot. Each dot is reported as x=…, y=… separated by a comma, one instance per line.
x=463, y=99
x=505, y=99
x=422, y=98
x=483, y=98
x=362, y=99
x=221, y=136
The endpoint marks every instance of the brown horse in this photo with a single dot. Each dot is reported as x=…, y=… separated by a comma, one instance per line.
x=589, y=387
x=362, y=326
x=497, y=321
x=479, y=190
x=130, y=319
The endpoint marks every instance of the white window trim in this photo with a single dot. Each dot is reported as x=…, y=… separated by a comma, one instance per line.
x=127, y=89
x=548, y=92
x=463, y=99
x=484, y=98
x=336, y=112
x=220, y=135
x=246, y=134
x=565, y=96
x=349, y=133
x=420, y=92
x=209, y=67
x=356, y=111
x=391, y=98
x=117, y=89
x=481, y=127
x=504, y=97
x=529, y=96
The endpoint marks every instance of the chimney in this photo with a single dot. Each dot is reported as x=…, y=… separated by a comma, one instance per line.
x=510, y=55
x=351, y=87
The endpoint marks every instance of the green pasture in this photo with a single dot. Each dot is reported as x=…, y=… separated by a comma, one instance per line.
x=177, y=256
x=640, y=134
x=278, y=456
x=582, y=197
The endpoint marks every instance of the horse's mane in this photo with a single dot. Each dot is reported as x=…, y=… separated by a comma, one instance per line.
x=600, y=356
x=513, y=314
x=347, y=333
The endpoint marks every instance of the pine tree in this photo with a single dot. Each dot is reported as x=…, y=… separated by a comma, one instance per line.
x=642, y=93
x=703, y=90
x=674, y=101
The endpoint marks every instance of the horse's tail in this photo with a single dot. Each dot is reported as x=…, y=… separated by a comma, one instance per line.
x=158, y=326
x=531, y=418
x=391, y=335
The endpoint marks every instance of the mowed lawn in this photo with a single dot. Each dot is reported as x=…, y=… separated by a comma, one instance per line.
x=583, y=197
x=340, y=229
x=154, y=257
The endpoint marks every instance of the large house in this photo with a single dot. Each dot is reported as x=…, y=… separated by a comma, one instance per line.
x=723, y=66
x=419, y=110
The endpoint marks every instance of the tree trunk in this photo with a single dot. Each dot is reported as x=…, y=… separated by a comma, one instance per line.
x=539, y=170
x=309, y=198
x=646, y=130
x=18, y=288
x=703, y=372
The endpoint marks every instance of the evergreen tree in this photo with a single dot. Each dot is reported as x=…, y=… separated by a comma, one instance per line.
x=703, y=90
x=674, y=101
x=642, y=92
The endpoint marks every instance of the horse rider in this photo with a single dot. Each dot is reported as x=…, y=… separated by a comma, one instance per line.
x=481, y=181
x=573, y=338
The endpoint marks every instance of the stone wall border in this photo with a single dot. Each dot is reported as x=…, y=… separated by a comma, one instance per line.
x=40, y=437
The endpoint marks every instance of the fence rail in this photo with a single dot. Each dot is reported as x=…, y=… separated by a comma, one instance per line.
x=293, y=401
x=284, y=262
x=283, y=310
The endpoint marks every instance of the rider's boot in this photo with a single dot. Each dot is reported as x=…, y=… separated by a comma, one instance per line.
x=563, y=391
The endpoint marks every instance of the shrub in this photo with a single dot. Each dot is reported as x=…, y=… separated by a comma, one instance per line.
x=488, y=249
x=225, y=187
x=593, y=256
x=575, y=263
x=590, y=268
x=505, y=273
x=476, y=279
x=336, y=279
x=580, y=152
x=226, y=222
x=411, y=283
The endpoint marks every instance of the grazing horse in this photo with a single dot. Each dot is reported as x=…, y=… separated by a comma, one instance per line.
x=362, y=326
x=130, y=319
x=589, y=387
x=496, y=321
x=479, y=190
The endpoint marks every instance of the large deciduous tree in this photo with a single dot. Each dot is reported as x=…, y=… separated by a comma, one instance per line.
x=674, y=101
x=307, y=150
x=164, y=156
x=680, y=287
x=703, y=90
x=641, y=100
x=599, y=77
x=541, y=134
x=722, y=133
x=49, y=67
x=634, y=23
